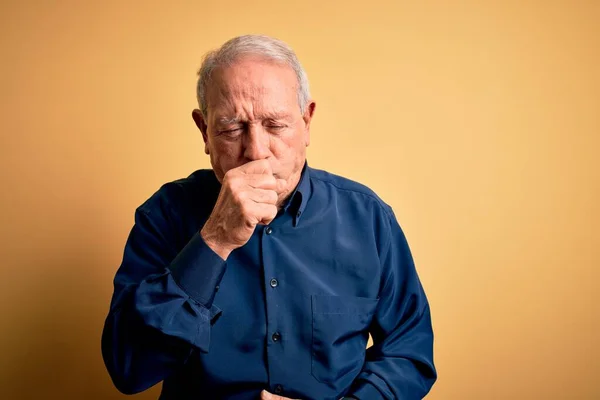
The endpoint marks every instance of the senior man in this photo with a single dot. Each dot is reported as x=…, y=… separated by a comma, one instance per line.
x=263, y=277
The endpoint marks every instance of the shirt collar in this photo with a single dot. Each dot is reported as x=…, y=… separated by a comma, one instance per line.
x=297, y=201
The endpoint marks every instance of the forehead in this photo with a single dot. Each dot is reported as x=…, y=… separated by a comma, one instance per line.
x=260, y=84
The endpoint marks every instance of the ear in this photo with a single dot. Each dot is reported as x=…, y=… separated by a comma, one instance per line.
x=201, y=124
x=307, y=117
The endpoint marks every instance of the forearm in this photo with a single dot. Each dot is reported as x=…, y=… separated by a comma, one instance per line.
x=393, y=379
x=161, y=309
x=152, y=331
x=399, y=365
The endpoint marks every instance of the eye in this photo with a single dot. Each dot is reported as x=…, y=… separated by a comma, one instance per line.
x=231, y=132
x=275, y=127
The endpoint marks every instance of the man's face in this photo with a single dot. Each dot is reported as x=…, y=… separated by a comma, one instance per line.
x=253, y=114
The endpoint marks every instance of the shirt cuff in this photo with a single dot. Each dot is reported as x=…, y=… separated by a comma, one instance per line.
x=198, y=270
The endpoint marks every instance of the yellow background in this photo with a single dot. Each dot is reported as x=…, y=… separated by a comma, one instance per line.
x=477, y=121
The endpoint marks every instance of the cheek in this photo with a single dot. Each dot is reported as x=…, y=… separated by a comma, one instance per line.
x=287, y=149
x=226, y=148
x=297, y=141
x=225, y=155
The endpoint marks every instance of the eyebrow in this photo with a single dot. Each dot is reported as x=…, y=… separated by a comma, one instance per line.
x=228, y=120
x=224, y=120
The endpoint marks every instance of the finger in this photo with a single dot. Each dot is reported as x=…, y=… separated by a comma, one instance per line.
x=264, y=213
x=257, y=167
x=261, y=181
x=263, y=196
x=264, y=395
x=281, y=185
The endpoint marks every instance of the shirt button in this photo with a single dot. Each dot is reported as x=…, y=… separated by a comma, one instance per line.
x=274, y=282
x=276, y=337
x=278, y=389
x=269, y=230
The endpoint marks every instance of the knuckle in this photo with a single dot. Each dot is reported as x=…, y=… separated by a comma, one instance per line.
x=241, y=195
x=229, y=181
x=271, y=181
x=228, y=175
x=273, y=196
x=266, y=164
x=237, y=197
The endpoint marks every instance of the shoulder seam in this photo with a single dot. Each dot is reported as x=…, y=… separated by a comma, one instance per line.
x=379, y=201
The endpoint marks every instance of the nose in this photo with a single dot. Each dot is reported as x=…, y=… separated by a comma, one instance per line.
x=256, y=143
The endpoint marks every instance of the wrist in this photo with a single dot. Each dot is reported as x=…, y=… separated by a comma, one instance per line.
x=215, y=245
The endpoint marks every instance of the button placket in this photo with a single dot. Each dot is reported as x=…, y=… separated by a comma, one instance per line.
x=274, y=347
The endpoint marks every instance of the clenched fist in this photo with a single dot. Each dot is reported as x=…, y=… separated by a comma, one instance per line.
x=248, y=197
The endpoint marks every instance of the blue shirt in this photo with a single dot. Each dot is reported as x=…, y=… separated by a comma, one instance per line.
x=290, y=311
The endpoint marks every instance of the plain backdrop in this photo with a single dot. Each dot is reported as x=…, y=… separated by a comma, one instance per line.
x=478, y=122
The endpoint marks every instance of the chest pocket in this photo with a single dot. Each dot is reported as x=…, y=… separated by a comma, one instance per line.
x=339, y=338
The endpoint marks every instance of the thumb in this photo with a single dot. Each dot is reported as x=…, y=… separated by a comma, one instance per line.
x=257, y=167
x=264, y=395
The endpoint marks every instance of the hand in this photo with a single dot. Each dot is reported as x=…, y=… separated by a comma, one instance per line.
x=248, y=197
x=264, y=395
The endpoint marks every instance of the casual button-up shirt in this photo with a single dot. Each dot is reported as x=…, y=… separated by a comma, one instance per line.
x=290, y=311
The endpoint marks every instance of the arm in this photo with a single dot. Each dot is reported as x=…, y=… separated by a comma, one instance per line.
x=399, y=365
x=162, y=304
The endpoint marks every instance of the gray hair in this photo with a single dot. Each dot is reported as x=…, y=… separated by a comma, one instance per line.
x=259, y=45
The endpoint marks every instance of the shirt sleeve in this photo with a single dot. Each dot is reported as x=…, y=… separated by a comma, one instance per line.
x=399, y=365
x=162, y=308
